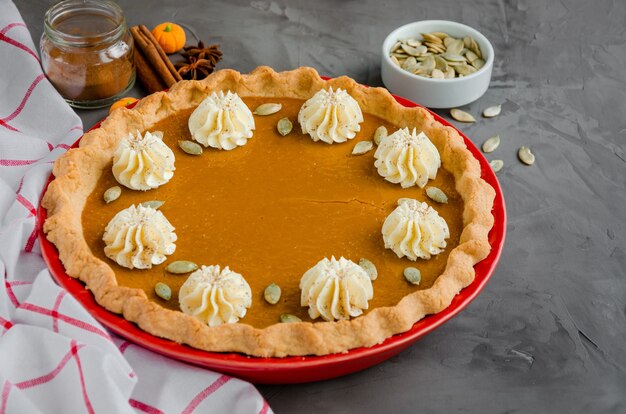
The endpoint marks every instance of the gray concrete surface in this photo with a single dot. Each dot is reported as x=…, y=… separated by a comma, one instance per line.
x=548, y=333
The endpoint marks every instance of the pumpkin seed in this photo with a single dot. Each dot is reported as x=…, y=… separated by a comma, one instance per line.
x=467, y=41
x=284, y=126
x=526, y=156
x=369, y=267
x=380, y=134
x=413, y=42
x=440, y=35
x=471, y=56
x=464, y=69
x=163, y=291
x=496, y=165
x=461, y=116
x=429, y=63
x=403, y=200
x=437, y=195
x=155, y=204
x=409, y=64
x=395, y=60
x=450, y=73
x=491, y=144
x=492, y=111
x=455, y=47
x=413, y=275
x=412, y=51
x=432, y=38
x=435, y=47
x=437, y=74
x=452, y=57
x=112, y=194
x=478, y=63
x=362, y=147
x=440, y=63
x=289, y=318
x=272, y=294
x=180, y=267
x=190, y=147
x=421, y=49
x=473, y=46
x=267, y=109
x=400, y=55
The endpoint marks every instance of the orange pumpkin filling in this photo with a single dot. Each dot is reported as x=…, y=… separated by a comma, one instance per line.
x=272, y=209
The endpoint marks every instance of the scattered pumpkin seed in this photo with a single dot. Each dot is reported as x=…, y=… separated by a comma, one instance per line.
x=163, y=291
x=180, y=267
x=272, y=294
x=369, y=267
x=461, y=116
x=112, y=194
x=413, y=275
x=289, y=318
x=190, y=147
x=267, y=109
x=492, y=111
x=155, y=204
x=491, y=144
x=496, y=165
x=437, y=195
x=362, y=147
x=526, y=156
x=381, y=132
x=284, y=126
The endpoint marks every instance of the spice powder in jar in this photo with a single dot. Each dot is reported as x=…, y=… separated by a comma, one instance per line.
x=87, y=52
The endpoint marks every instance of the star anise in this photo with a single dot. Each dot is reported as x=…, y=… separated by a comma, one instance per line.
x=195, y=69
x=211, y=52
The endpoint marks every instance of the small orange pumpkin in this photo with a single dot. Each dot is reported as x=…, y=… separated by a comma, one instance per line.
x=122, y=103
x=170, y=36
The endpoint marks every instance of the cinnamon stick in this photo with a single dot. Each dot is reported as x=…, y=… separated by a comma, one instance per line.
x=148, y=78
x=148, y=34
x=154, y=69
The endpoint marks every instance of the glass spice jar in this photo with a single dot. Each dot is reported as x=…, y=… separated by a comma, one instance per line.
x=87, y=52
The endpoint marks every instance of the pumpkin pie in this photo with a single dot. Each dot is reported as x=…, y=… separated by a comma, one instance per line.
x=331, y=224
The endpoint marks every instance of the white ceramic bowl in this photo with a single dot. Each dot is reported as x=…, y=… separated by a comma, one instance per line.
x=436, y=93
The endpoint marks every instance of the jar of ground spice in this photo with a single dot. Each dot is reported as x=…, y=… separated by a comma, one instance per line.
x=87, y=52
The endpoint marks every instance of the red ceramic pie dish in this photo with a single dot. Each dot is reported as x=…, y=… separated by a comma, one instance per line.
x=294, y=369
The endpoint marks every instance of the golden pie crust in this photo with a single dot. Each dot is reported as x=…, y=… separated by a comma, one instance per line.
x=77, y=173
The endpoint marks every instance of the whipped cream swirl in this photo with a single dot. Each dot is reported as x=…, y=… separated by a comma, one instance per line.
x=331, y=116
x=415, y=229
x=139, y=237
x=336, y=289
x=407, y=158
x=215, y=296
x=222, y=121
x=143, y=162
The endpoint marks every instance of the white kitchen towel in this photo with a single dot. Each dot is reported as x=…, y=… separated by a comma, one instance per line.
x=54, y=357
